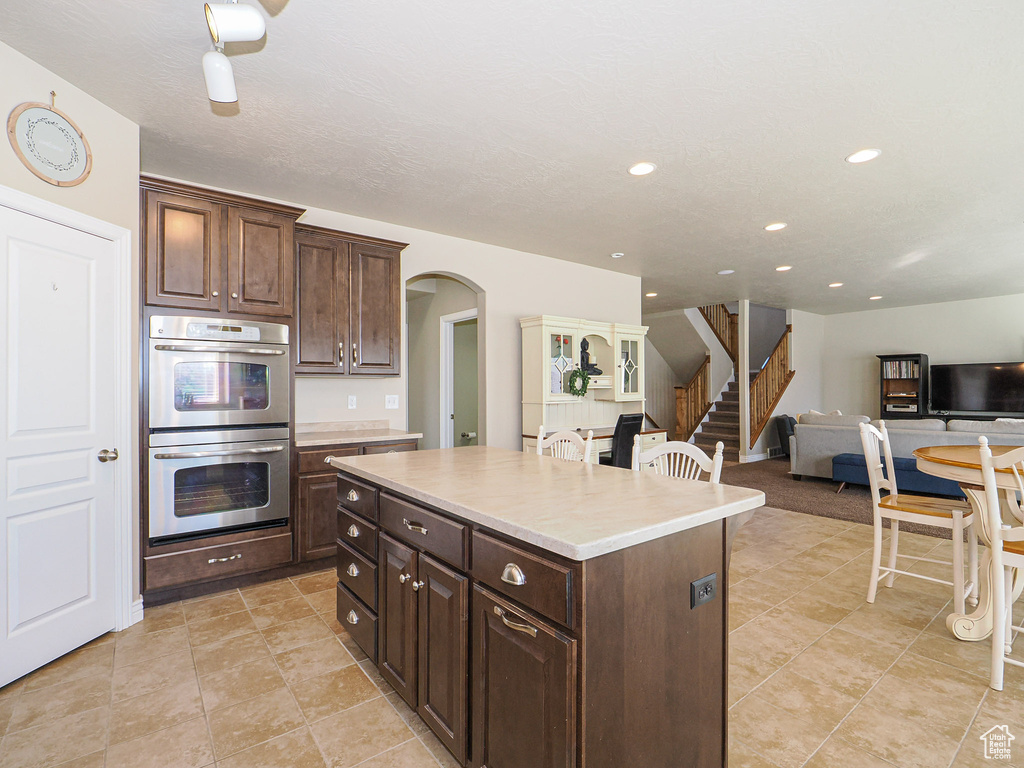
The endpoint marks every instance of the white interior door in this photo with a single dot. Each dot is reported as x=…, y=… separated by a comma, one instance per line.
x=57, y=392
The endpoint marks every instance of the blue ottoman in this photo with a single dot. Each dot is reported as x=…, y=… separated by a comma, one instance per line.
x=851, y=468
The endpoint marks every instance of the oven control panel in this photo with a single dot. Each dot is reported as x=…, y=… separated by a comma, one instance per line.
x=220, y=332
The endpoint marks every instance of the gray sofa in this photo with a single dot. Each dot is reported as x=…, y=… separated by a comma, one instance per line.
x=818, y=438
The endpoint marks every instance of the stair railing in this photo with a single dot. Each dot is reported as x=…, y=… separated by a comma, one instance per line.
x=726, y=326
x=767, y=387
x=693, y=401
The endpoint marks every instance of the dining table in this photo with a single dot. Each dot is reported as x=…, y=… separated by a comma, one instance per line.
x=962, y=463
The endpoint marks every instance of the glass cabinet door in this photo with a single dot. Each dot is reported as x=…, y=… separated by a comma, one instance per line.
x=629, y=366
x=561, y=362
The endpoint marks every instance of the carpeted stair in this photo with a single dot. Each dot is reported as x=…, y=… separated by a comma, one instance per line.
x=723, y=424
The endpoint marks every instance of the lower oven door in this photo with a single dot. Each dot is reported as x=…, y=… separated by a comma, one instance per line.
x=205, y=489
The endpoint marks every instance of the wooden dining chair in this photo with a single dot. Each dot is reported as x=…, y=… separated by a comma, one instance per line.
x=1006, y=549
x=954, y=515
x=565, y=445
x=678, y=459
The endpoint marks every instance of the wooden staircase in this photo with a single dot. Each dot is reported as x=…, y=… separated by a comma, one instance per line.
x=723, y=424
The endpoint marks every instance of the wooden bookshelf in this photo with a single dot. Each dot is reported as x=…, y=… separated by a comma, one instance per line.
x=903, y=386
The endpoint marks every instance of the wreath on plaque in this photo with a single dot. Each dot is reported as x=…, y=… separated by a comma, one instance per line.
x=579, y=380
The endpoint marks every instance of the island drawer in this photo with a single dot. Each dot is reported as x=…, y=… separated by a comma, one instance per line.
x=358, y=574
x=389, y=448
x=358, y=621
x=537, y=583
x=358, y=497
x=357, y=533
x=425, y=530
x=316, y=460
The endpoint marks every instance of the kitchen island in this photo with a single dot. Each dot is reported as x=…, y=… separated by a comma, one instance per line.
x=539, y=613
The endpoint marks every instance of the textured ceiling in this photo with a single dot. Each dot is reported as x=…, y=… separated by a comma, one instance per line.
x=514, y=124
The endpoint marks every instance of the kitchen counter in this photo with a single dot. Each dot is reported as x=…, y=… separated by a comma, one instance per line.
x=313, y=438
x=576, y=510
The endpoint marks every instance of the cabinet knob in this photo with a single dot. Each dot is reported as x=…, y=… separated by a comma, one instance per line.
x=353, y=532
x=416, y=585
x=234, y=295
x=352, y=618
x=215, y=294
x=352, y=496
x=513, y=575
x=352, y=570
x=403, y=577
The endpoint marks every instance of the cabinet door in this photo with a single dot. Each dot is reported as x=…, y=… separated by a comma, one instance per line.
x=629, y=368
x=261, y=263
x=562, y=354
x=524, y=689
x=443, y=653
x=183, y=252
x=396, y=570
x=375, y=312
x=322, y=305
x=317, y=520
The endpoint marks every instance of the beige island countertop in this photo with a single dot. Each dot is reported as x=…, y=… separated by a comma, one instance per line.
x=576, y=510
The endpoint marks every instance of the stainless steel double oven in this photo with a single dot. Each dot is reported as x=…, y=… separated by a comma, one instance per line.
x=218, y=419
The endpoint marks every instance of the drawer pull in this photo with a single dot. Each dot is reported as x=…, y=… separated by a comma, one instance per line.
x=327, y=459
x=524, y=628
x=212, y=560
x=513, y=575
x=352, y=618
x=353, y=532
x=414, y=526
x=352, y=495
x=352, y=570
x=392, y=451
x=416, y=585
x=403, y=577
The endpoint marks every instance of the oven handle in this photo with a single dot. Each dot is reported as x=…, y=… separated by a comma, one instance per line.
x=224, y=350
x=205, y=454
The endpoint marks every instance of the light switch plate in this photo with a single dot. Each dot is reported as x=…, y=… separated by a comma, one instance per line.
x=351, y=401
x=391, y=401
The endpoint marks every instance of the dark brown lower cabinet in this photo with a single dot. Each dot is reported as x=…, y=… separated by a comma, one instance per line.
x=317, y=530
x=396, y=656
x=524, y=689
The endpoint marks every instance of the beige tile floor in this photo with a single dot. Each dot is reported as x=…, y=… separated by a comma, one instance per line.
x=266, y=677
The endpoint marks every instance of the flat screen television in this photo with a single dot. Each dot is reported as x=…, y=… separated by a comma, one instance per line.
x=979, y=387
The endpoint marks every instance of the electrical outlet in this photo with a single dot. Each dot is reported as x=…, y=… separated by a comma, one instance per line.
x=703, y=590
x=391, y=401
x=351, y=401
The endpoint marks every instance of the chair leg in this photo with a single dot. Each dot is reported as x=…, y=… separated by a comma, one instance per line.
x=876, y=561
x=894, y=537
x=998, y=585
x=972, y=563
x=958, y=562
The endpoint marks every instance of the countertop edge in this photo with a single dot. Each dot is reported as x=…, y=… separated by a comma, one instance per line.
x=578, y=553
x=313, y=439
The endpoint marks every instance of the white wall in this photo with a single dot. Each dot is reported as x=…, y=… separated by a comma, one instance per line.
x=110, y=193
x=970, y=331
x=659, y=388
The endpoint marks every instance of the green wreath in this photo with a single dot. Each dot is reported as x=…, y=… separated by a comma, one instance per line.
x=579, y=380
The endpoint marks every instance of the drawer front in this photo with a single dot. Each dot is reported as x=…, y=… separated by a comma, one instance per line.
x=547, y=587
x=359, y=622
x=358, y=574
x=209, y=563
x=425, y=530
x=389, y=448
x=357, y=497
x=316, y=460
x=357, y=533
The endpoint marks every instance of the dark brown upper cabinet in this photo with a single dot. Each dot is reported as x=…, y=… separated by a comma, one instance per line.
x=348, y=303
x=217, y=252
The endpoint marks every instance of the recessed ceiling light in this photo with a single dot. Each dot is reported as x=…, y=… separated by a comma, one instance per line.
x=642, y=169
x=783, y=268
x=726, y=271
x=650, y=295
x=874, y=298
x=776, y=226
x=863, y=155
x=835, y=285
x=618, y=255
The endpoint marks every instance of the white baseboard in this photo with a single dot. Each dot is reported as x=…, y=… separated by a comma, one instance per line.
x=136, y=612
x=751, y=457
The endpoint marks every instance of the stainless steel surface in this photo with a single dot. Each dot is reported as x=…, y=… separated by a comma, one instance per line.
x=352, y=618
x=525, y=628
x=403, y=577
x=352, y=495
x=237, y=556
x=177, y=327
x=219, y=350
x=353, y=532
x=207, y=454
x=210, y=436
x=414, y=527
x=417, y=585
x=513, y=574
x=352, y=570
x=107, y=454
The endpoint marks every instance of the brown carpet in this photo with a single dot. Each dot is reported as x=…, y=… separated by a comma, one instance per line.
x=811, y=495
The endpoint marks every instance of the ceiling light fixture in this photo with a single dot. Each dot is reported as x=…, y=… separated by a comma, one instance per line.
x=863, y=156
x=783, y=268
x=650, y=295
x=775, y=227
x=726, y=271
x=874, y=298
x=618, y=255
x=220, y=79
x=835, y=285
x=233, y=22
x=642, y=169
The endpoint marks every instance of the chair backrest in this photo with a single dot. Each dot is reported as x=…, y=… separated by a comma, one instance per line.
x=565, y=445
x=627, y=428
x=880, y=480
x=1011, y=462
x=678, y=459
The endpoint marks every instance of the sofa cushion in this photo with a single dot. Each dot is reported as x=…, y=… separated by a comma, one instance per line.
x=986, y=427
x=919, y=425
x=828, y=420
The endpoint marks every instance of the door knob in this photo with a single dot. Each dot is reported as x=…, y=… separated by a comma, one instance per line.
x=107, y=455
x=234, y=295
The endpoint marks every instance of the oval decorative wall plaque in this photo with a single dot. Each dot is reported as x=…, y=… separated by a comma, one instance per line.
x=49, y=144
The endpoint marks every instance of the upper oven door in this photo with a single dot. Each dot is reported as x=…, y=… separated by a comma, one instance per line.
x=213, y=383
